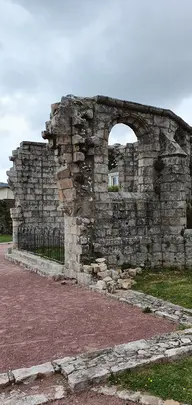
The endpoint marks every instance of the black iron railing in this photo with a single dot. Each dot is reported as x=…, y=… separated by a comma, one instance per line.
x=42, y=241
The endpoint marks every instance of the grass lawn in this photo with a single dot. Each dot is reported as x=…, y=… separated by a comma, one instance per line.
x=171, y=285
x=167, y=381
x=52, y=253
x=5, y=238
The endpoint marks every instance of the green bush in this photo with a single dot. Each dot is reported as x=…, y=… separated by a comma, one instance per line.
x=113, y=188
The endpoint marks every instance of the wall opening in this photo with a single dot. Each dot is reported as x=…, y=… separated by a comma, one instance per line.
x=121, y=134
x=122, y=158
x=189, y=214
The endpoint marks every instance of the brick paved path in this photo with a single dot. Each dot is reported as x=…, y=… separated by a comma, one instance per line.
x=41, y=319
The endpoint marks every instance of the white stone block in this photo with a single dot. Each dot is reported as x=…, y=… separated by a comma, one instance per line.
x=4, y=380
x=32, y=373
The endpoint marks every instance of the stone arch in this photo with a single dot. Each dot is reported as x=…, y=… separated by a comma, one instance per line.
x=144, y=135
x=132, y=120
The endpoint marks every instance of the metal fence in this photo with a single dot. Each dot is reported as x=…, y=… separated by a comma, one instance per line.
x=42, y=241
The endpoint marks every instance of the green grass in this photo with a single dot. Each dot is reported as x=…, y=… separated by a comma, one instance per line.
x=53, y=253
x=167, y=381
x=169, y=284
x=5, y=238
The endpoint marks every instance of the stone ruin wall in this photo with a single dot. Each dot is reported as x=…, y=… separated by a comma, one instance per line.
x=32, y=180
x=126, y=158
x=146, y=221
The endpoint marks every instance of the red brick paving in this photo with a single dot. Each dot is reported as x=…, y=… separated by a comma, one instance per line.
x=41, y=319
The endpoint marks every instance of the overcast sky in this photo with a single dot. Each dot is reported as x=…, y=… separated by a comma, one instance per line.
x=139, y=50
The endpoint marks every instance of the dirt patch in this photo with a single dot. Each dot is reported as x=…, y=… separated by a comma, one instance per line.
x=91, y=398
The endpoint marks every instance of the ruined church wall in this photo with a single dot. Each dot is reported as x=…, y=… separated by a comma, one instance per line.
x=128, y=167
x=126, y=158
x=146, y=226
x=122, y=232
x=33, y=182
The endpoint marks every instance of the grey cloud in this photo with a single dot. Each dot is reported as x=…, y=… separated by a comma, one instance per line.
x=18, y=78
x=131, y=49
x=65, y=15
x=150, y=60
x=142, y=53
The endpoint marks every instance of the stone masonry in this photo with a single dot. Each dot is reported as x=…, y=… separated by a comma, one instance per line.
x=32, y=180
x=148, y=221
x=92, y=368
x=43, y=383
x=145, y=222
x=126, y=158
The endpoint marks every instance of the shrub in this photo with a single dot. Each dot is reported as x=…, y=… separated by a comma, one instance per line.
x=113, y=188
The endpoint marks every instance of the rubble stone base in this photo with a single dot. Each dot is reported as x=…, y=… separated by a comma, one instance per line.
x=84, y=371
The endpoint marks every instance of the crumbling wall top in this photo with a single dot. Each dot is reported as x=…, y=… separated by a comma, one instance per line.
x=123, y=104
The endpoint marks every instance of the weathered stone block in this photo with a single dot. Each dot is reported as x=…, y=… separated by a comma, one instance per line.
x=95, y=267
x=65, y=184
x=132, y=272
x=76, y=139
x=32, y=373
x=100, y=260
x=78, y=157
x=101, y=285
x=4, y=380
x=103, y=274
x=125, y=284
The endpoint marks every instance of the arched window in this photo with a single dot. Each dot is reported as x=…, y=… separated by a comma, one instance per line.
x=122, y=134
x=122, y=158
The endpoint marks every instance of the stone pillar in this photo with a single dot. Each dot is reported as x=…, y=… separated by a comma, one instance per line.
x=128, y=167
x=148, y=151
x=172, y=189
x=188, y=247
x=78, y=249
x=70, y=132
x=17, y=219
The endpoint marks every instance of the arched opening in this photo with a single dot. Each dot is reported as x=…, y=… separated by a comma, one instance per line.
x=122, y=159
x=122, y=134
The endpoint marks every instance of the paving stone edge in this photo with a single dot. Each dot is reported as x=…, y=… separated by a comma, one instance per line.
x=143, y=398
x=88, y=369
x=157, y=306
